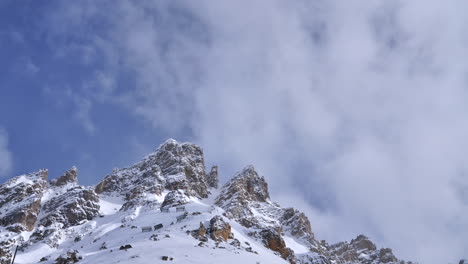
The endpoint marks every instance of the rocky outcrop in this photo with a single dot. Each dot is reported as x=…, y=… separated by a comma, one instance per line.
x=201, y=230
x=173, y=166
x=183, y=164
x=212, y=178
x=219, y=229
x=70, y=176
x=273, y=240
x=297, y=224
x=175, y=198
x=72, y=256
x=6, y=248
x=246, y=186
x=246, y=190
x=20, y=200
x=362, y=250
x=71, y=208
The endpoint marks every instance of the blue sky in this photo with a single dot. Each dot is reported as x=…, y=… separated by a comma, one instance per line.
x=354, y=111
x=38, y=110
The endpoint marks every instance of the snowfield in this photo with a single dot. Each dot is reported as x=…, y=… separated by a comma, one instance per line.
x=101, y=238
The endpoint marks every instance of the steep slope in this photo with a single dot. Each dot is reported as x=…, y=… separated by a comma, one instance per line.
x=164, y=208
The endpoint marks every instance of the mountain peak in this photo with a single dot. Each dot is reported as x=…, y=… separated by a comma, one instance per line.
x=250, y=184
x=69, y=176
x=245, y=224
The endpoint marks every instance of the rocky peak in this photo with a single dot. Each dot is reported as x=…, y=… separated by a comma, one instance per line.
x=362, y=242
x=173, y=166
x=183, y=165
x=247, y=185
x=70, y=176
x=212, y=177
x=297, y=224
x=20, y=200
x=362, y=250
x=70, y=208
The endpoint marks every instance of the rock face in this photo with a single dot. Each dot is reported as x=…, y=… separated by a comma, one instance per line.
x=362, y=250
x=246, y=185
x=70, y=208
x=243, y=192
x=20, y=200
x=173, y=166
x=212, y=178
x=297, y=224
x=219, y=229
x=273, y=240
x=70, y=176
x=175, y=198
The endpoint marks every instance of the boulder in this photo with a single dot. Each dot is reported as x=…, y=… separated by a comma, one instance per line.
x=219, y=229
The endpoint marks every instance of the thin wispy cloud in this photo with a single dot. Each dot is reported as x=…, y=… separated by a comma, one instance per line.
x=360, y=107
x=6, y=161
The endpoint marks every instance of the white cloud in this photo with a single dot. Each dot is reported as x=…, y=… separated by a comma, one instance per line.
x=360, y=106
x=30, y=67
x=6, y=161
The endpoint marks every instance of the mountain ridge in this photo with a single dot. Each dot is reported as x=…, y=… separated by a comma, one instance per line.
x=56, y=215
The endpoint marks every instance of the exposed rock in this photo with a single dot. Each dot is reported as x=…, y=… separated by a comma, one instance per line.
x=386, y=256
x=246, y=190
x=212, y=178
x=362, y=250
x=20, y=200
x=201, y=231
x=70, y=208
x=247, y=185
x=275, y=242
x=71, y=257
x=125, y=247
x=297, y=224
x=219, y=229
x=175, y=198
x=6, y=247
x=173, y=166
x=183, y=166
x=70, y=176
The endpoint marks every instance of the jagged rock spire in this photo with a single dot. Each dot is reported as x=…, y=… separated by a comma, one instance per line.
x=173, y=166
x=70, y=176
x=247, y=185
x=212, y=177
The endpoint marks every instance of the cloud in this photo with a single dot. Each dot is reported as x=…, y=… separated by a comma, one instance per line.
x=6, y=162
x=75, y=101
x=359, y=106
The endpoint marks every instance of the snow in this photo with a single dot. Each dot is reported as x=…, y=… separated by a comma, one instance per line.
x=110, y=205
x=294, y=245
x=180, y=245
x=19, y=180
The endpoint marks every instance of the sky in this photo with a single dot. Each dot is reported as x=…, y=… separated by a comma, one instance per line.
x=354, y=111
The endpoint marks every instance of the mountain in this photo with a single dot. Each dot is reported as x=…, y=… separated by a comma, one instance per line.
x=164, y=208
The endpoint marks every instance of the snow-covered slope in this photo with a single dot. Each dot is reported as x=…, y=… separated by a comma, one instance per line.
x=164, y=208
